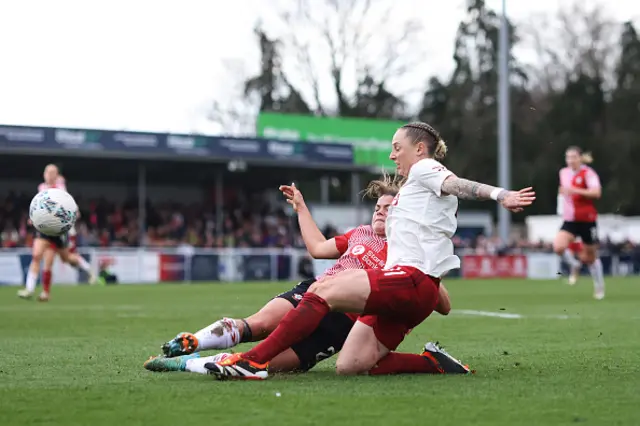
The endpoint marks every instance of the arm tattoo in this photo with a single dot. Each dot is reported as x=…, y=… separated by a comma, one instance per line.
x=469, y=190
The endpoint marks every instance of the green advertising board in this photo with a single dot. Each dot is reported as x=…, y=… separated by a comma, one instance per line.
x=371, y=139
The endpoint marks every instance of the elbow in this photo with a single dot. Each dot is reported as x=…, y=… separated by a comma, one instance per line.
x=314, y=252
x=317, y=252
x=443, y=308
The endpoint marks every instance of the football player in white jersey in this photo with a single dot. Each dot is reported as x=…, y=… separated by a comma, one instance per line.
x=362, y=247
x=397, y=298
x=46, y=247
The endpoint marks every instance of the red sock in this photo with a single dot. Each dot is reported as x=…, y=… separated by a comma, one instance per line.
x=399, y=363
x=294, y=327
x=46, y=281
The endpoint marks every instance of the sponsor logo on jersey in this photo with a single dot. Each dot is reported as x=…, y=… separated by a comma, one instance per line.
x=357, y=250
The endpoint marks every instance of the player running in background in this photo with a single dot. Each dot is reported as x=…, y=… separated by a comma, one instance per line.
x=579, y=188
x=399, y=297
x=46, y=247
x=364, y=246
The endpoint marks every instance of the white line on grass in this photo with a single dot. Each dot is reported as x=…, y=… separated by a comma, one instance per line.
x=487, y=314
x=504, y=315
x=20, y=307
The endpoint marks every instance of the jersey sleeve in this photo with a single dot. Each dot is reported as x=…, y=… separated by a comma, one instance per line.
x=342, y=241
x=430, y=174
x=592, y=179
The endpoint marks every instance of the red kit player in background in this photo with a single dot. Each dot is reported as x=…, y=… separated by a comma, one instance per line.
x=46, y=247
x=579, y=188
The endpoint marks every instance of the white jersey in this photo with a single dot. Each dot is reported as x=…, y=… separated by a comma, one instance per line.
x=422, y=221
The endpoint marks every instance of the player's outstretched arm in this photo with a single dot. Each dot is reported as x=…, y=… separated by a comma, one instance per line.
x=317, y=245
x=469, y=190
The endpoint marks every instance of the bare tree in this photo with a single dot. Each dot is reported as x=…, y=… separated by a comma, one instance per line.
x=581, y=39
x=330, y=47
x=233, y=111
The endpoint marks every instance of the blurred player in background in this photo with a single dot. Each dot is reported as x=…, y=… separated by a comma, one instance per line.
x=362, y=247
x=46, y=247
x=393, y=300
x=579, y=188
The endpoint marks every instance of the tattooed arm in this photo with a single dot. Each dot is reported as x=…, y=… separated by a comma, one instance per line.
x=469, y=190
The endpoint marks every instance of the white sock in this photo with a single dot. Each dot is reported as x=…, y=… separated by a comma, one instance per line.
x=595, y=269
x=570, y=259
x=32, y=278
x=84, y=265
x=196, y=365
x=222, y=334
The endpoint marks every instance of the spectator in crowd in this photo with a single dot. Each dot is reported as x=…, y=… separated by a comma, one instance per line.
x=248, y=221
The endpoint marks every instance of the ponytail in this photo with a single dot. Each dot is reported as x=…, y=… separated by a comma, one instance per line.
x=586, y=158
x=440, y=151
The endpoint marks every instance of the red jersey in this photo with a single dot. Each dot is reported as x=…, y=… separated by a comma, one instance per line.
x=360, y=248
x=577, y=208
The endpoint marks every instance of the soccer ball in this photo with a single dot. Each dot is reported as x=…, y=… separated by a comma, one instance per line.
x=53, y=212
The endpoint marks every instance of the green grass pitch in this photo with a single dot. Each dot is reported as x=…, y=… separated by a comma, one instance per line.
x=561, y=359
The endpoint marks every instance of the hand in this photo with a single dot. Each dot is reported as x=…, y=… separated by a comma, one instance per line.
x=294, y=196
x=567, y=190
x=517, y=200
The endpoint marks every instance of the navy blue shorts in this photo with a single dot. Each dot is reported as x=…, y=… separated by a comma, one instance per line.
x=587, y=231
x=60, y=242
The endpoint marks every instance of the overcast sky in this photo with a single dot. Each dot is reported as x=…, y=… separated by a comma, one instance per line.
x=155, y=65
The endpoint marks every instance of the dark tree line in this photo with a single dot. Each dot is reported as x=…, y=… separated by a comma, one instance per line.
x=584, y=94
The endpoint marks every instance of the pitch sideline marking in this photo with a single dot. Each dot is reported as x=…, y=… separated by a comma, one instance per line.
x=503, y=315
x=487, y=314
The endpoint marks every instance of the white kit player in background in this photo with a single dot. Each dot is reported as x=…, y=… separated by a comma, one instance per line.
x=46, y=247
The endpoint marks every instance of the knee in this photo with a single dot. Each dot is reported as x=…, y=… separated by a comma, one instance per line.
x=346, y=369
x=321, y=288
x=352, y=367
x=67, y=257
x=559, y=248
x=587, y=257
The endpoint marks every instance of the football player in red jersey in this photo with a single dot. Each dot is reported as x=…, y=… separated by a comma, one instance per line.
x=579, y=188
x=363, y=247
x=46, y=247
x=405, y=292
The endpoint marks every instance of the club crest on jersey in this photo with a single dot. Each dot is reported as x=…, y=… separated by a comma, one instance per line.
x=579, y=180
x=358, y=250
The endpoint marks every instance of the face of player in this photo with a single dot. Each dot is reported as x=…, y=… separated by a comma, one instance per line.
x=380, y=214
x=405, y=153
x=572, y=157
x=50, y=174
